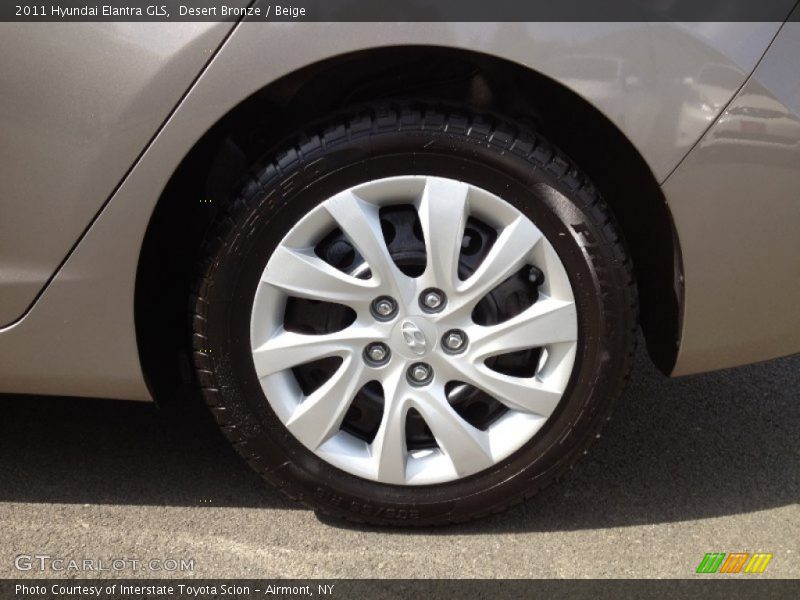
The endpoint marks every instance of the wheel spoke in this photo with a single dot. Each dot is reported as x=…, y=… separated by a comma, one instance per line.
x=360, y=221
x=548, y=321
x=287, y=349
x=302, y=273
x=443, y=215
x=389, y=446
x=466, y=446
x=320, y=415
x=508, y=254
x=525, y=394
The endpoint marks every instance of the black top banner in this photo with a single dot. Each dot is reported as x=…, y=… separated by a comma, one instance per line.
x=398, y=10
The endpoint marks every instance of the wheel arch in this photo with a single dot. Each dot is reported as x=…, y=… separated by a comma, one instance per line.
x=189, y=204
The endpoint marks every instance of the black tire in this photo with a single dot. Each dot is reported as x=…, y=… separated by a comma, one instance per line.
x=494, y=154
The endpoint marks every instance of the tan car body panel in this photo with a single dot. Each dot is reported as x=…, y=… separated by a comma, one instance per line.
x=735, y=202
x=79, y=336
x=80, y=102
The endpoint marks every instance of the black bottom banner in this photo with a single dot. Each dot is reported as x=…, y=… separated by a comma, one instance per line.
x=180, y=589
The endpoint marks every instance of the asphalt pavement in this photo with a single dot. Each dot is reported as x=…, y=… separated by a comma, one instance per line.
x=707, y=463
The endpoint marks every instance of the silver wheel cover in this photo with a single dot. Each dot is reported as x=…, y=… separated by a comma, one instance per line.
x=414, y=335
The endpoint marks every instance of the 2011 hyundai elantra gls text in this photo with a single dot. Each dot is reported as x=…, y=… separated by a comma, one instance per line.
x=403, y=264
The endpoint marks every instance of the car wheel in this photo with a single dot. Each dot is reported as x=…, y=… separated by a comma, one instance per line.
x=414, y=316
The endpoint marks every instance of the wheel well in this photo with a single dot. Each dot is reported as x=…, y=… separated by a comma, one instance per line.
x=203, y=182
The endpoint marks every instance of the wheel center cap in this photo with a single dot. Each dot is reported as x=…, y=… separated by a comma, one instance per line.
x=413, y=337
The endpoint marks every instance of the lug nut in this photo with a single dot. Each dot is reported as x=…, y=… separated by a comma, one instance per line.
x=432, y=300
x=535, y=276
x=454, y=340
x=420, y=373
x=384, y=308
x=377, y=353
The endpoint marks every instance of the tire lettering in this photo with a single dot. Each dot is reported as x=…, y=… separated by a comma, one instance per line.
x=365, y=509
